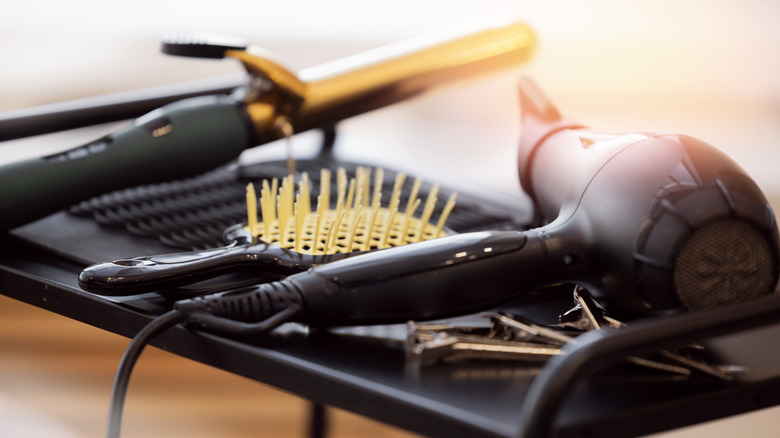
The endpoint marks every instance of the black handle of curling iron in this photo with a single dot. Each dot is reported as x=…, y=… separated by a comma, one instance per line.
x=113, y=107
x=172, y=142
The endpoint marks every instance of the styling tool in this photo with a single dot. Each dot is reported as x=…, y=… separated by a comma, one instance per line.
x=292, y=235
x=650, y=222
x=193, y=214
x=191, y=136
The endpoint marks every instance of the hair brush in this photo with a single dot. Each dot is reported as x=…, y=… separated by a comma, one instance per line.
x=291, y=237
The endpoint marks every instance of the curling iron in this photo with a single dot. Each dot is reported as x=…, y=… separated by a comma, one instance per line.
x=193, y=135
x=648, y=222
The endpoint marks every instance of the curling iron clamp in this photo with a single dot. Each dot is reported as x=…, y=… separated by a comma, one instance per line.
x=193, y=135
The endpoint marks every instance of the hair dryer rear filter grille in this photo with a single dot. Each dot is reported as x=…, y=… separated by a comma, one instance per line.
x=725, y=261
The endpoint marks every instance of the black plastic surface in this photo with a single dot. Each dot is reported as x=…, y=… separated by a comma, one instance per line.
x=363, y=369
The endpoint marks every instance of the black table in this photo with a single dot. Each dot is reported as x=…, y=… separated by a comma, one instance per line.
x=588, y=391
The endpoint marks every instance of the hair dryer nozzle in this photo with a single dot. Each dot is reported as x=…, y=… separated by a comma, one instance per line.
x=539, y=119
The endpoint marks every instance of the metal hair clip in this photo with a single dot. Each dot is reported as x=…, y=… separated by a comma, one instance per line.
x=515, y=338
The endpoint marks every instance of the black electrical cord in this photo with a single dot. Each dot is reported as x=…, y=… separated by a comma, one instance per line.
x=194, y=313
x=122, y=378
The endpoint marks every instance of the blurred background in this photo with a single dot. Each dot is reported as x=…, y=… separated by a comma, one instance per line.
x=705, y=68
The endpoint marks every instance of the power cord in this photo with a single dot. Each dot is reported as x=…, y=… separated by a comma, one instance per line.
x=133, y=351
x=198, y=311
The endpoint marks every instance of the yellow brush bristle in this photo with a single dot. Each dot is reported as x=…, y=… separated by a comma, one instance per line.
x=354, y=225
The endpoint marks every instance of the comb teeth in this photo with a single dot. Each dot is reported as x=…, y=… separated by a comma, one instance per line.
x=357, y=223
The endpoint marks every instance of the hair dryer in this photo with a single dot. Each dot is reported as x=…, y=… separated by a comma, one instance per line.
x=648, y=222
x=193, y=135
x=645, y=220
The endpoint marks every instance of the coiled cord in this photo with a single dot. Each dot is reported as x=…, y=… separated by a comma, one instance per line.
x=249, y=304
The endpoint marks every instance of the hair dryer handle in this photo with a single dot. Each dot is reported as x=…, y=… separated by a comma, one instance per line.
x=439, y=278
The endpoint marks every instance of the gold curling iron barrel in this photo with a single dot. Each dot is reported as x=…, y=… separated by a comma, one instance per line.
x=191, y=136
x=334, y=91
